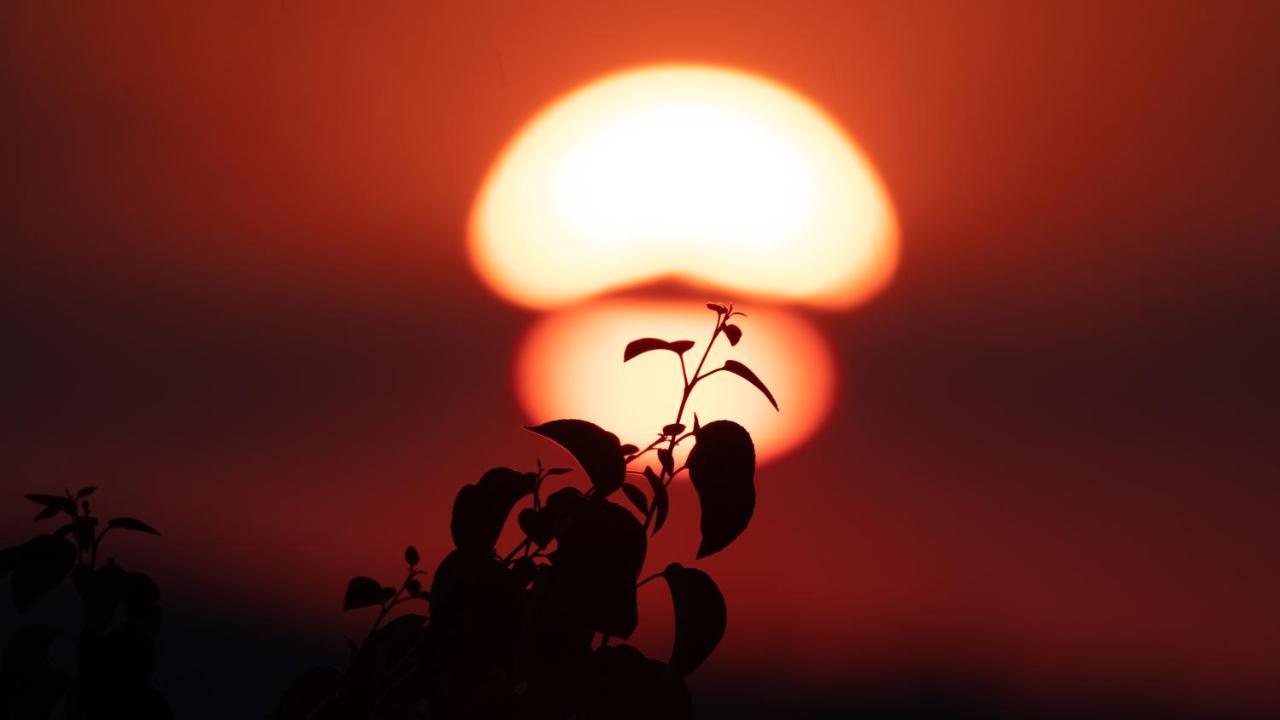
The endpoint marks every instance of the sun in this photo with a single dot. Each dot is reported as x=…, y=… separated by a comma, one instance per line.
x=716, y=177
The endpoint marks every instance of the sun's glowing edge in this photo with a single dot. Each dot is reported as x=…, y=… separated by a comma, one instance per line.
x=505, y=264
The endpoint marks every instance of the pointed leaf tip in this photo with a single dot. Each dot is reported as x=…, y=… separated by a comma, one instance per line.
x=128, y=523
x=745, y=373
x=597, y=450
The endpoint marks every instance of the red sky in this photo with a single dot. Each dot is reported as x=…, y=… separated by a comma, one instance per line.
x=235, y=294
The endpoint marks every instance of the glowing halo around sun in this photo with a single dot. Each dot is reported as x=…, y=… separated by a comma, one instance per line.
x=717, y=177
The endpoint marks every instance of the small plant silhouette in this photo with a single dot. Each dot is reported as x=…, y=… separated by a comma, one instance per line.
x=530, y=633
x=115, y=651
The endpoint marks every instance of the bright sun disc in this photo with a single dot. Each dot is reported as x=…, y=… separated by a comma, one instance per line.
x=717, y=177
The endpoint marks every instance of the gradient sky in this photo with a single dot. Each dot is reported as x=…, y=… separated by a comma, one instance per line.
x=235, y=294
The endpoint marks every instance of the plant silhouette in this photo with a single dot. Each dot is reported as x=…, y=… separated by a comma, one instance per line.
x=536, y=632
x=115, y=651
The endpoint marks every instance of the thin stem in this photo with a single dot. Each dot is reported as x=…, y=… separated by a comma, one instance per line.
x=654, y=576
x=672, y=440
x=511, y=555
x=708, y=374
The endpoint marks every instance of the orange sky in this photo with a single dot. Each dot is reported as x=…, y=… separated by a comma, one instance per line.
x=236, y=294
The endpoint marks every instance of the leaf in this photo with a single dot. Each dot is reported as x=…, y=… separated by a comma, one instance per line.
x=630, y=449
x=636, y=496
x=558, y=471
x=597, y=450
x=722, y=469
x=139, y=593
x=699, y=614
x=599, y=553
x=696, y=425
x=673, y=429
x=128, y=523
x=86, y=492
x=29, y=647
x=41, y=565
x=745, y=373
x=618, y=682
x=480, y=509
x=413, y=586
x=362, y=592
x=734, y=333
x=541, y=525
x=661, y=501
x=411, y=556
x=644, y=345
x=715, y=307
x=668, y=462
x=53, y=504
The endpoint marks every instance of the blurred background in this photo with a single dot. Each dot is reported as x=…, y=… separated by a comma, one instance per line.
x=235, y=294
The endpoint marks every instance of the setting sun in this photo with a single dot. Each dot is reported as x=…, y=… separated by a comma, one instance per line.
x=570, y=365
x=719, y=178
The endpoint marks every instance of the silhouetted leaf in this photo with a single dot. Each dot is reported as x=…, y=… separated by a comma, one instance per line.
x=630, y=449
x=622, y=684
x=541, y=525
x=29, y=685
x=716, y=307
x=597, y=450
x=673, y=429
x=411, y=556
x=661, y=501
x=475, y=609
x=481, y=509
x=362, y=592
x=644, y=345
x=696, y=425
x=722, y=468
x=83, y=529
x=413, y=586
x=53, y=504
x=86, y=492
x=29, y=647
x=745, y=373
x=599, y=553
x=100, y=590
x=128, y=523
x=41, y=565
x=558, y=471
x=734, y=333
x=668, y=462
x=636, y=496
x=700, y=616
x=139, y=594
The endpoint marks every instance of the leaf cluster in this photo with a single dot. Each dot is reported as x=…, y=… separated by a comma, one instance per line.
x=540, y=630
x=115, y=649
